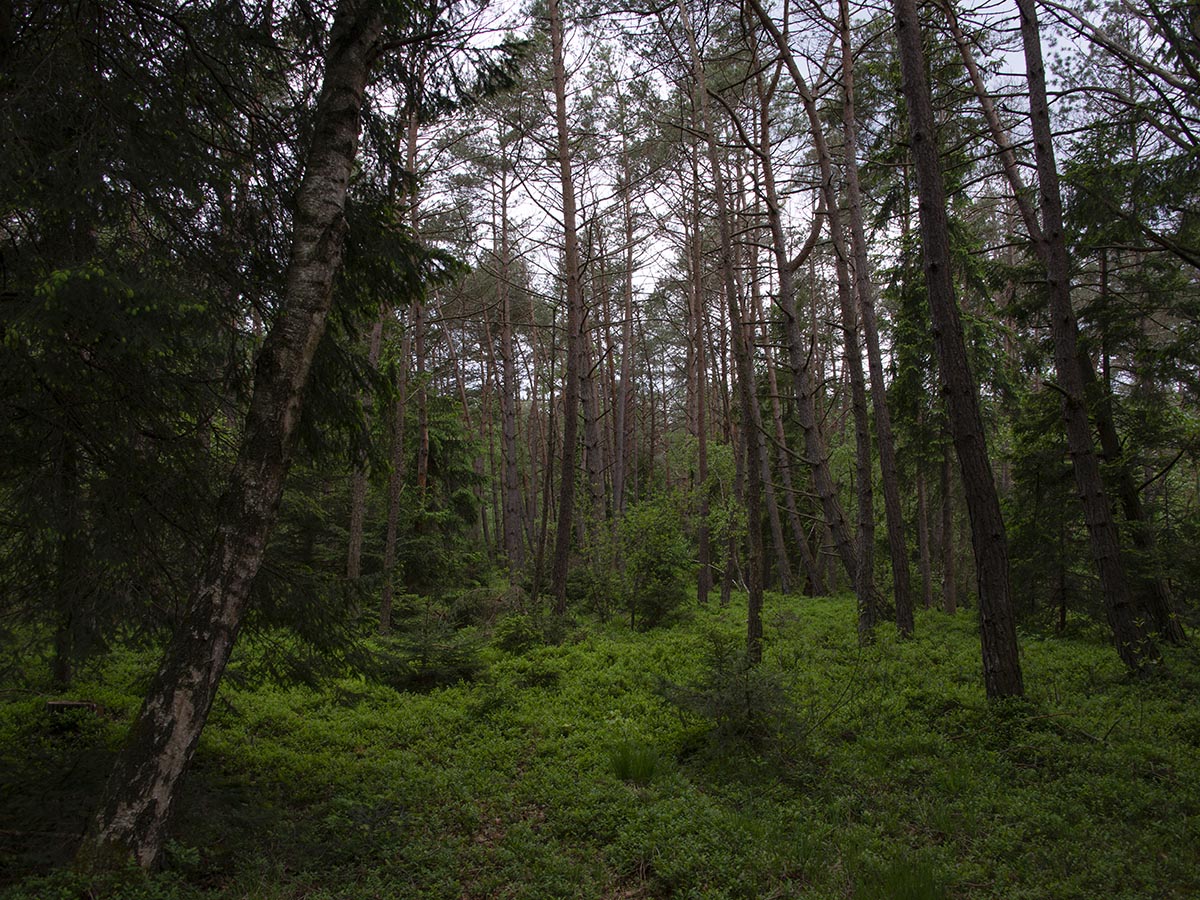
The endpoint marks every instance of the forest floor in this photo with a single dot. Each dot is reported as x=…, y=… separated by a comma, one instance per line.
x=632, y=765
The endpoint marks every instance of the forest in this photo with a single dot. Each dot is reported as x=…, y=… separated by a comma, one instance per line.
x=453, y=449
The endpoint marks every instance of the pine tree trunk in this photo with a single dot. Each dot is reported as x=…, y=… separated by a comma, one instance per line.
x=136, y=808
x=863, y=576
x=889, y=471
x=1073, y=370
x=571, y=380
x=1134, y=645
x=395, y=485
x=514, y=544
x=743, y=360
x=1001, y=665
x=621, y=424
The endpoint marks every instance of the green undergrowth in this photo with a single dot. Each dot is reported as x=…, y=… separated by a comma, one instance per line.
x=636, y=765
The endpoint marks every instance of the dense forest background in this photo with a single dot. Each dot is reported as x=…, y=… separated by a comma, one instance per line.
x=344, y=327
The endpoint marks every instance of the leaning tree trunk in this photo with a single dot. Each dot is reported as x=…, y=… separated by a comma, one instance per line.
x=864, y=576
x=1076, y=377
x=133, y=816
x=1001, y=666
x=1134, y=644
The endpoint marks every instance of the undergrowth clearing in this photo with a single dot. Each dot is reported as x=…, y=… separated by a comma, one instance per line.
x=617, y=764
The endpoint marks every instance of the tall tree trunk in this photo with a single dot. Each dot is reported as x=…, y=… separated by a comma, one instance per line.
x=1001, y=665
x=395, y=485
x=624, y=385
x=782, y=563
x=570, y=429
x=1073, y=370
x=864, y=576
x=136, y=807
x=1134, y=645
x=700, y=343
x=799, y=355
x=514, y=545
x=743, y=360
x=889, y=471
x=593, y=444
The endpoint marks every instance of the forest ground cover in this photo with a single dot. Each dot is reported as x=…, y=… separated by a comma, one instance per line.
x=616, y=764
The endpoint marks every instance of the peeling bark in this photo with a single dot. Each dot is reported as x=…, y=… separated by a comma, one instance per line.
x=133, y=816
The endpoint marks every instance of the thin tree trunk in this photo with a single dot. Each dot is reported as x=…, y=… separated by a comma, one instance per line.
x=624, y=386
x=751, y=415
x=700, y=343
x=136, y=807
x=946, y=544
x=1134, y=644
x=889, y=471
x=926, y=564
x=799, y=354
x=395, y=485
x=782, y=563
x=566, y=501
x=1001, y=665
x=863, y=576
x=358, y=480
x=514, y=545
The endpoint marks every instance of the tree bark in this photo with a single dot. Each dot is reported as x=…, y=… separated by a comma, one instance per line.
x=136, y=808
x=1001, y=665
x=889, y=471
x=570, y=430
x=1073, y=370
x=863, y=575
x=395, y=485
x=799, y=354
x=624, y=385
x=704, y=576
x=514, y=544
x=743, y=360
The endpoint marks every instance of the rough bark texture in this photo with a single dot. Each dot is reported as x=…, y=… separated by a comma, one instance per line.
x=1049, y=241
x=570, y=430
x=133, y=816
x=1133, y=643
x=1001, y=666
